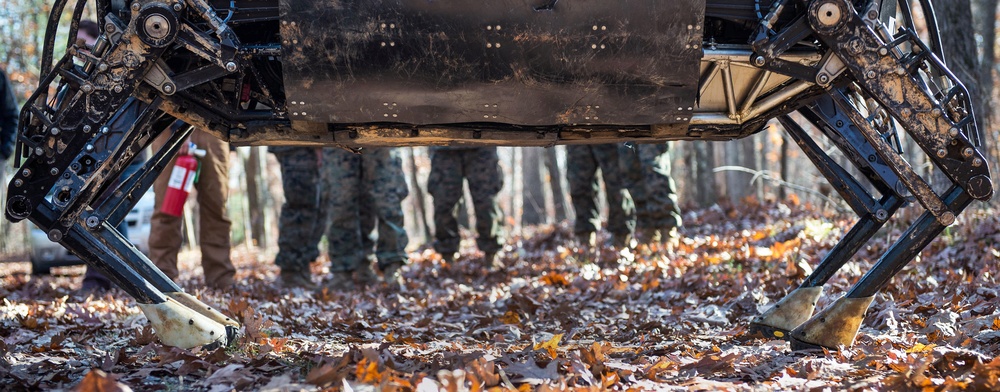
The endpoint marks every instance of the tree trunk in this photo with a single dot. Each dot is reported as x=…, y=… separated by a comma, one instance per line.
x=559, y=201
x=419, y=206
x=703, y=174
x=959, y=44
x=534, y=191
x=256, y=199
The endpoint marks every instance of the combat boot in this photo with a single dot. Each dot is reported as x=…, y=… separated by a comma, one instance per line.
x=492, y=262
x=392, y=276
x=587, y=239
x=623, y=241
x=364, y=276
x=340, y=281
x=291, y=279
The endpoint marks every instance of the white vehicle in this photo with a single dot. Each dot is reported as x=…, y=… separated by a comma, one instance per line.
x=46, y=254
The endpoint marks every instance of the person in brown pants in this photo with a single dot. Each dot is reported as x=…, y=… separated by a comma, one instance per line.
x=212, y=188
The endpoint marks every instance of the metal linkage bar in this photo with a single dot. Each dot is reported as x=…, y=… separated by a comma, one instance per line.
x=920, y=189
x=796, y=307
x=128, y=193
x=839, y=324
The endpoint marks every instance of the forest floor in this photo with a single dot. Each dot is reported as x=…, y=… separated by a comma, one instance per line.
x=558, y=318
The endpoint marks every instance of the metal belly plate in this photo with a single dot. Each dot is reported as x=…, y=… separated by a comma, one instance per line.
x=537, y=62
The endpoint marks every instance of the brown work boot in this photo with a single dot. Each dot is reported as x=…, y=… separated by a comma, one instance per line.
x=392, y=276
x=364, y=276
x=340, y=281
x=291, y=279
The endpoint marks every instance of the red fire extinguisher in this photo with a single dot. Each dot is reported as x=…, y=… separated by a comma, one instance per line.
x=182, y=178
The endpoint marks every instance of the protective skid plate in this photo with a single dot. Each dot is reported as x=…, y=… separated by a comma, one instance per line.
x=527, y=62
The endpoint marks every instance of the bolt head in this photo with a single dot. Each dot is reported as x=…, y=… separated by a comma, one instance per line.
x=178, y=7
x=824, y=78
x=968, y=151
x=54, y=171
x=883, y=51
x=54, y=131
x=977, y=162
x=135, y=6
x=758, y=61
x=942, y=153
x=26, y=172
x=231, y=66
x=87, y=88
x=18, y=183
x=110, y=27
x=870, y=75
x=90, y=147
x=86, y=128
x=168, y=88
x=103, y=67
x=953, y=132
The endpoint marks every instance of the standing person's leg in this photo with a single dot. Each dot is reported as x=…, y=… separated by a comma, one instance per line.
x=658, y=210
x=367, y=221
x=383, y=177
x=485, y=181
x=300, y=227
x=621, y=208
x=165, y=232
x=214, y=223
x=444, y=184
x=342, y=179
x=581, y=170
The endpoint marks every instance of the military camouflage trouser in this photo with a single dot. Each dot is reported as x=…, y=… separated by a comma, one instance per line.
x=481, y=167
x=582, y=164
x=647, y=169
x=364, y=192
x=302, y=220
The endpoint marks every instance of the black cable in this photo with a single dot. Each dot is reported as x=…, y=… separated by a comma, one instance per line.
x=48, y=46
x=74, y=23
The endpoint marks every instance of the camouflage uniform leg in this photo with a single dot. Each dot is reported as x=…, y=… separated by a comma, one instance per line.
x=299, y=230
x=342, y=180
x=368, y=221
x=621, y=208
x=485, y=181
x=383, y=179
x=651, y=185
x=445, y=187
x=581, y=174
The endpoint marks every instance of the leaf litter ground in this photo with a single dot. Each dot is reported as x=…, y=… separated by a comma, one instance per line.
x=559, y=317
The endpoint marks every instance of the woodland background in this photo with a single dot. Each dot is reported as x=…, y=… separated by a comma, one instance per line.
x=757, y=217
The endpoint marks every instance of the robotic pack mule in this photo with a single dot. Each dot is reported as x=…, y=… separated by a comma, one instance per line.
x=513, y=72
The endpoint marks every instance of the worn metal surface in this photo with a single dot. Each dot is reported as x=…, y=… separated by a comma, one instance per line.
x=516, y=62
x=790, y=312
x=943, y=133
x=180, y=326
x=834, y=326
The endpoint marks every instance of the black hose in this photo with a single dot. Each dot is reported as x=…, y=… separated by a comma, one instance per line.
x=932, y=29
x=50, y=35
x=74, y=23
